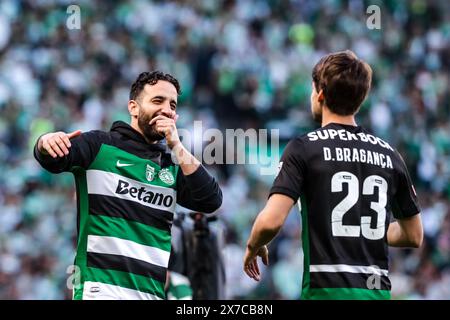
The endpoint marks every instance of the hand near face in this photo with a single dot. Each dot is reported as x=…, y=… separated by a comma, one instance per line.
x=167, y=127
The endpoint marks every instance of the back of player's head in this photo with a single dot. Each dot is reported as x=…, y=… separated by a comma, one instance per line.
x=345, y=81
x=151, y=78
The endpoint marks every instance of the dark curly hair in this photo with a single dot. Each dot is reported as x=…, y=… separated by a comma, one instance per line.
x=151, y=78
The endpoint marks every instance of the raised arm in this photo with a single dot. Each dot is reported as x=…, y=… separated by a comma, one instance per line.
x=197, y=189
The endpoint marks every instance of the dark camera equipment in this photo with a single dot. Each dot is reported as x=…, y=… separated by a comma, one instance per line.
x=200, y=258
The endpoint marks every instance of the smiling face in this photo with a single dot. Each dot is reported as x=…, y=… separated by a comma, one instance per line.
x=154, y=100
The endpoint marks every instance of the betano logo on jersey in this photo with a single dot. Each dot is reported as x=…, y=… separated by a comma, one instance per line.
x=144, y=194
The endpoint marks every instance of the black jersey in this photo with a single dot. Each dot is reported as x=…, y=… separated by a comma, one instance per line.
x=349, y=183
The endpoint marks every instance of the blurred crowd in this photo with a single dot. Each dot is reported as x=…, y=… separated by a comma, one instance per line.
x=241, y=64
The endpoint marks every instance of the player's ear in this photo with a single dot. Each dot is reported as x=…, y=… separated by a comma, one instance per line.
x=321, y=97
x=133, y=108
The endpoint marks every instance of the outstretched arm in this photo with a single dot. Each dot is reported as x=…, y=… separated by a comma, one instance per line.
x=267, y=225
x=56, y=144
x=54, y=150
x=58, y=152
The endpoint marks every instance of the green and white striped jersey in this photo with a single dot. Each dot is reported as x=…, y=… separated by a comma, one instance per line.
x=179, y=287
x=127, y=191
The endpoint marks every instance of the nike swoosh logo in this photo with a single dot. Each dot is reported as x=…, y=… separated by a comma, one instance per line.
x=123, y=164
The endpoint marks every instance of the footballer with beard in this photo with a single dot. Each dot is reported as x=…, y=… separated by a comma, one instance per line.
x=128, y=184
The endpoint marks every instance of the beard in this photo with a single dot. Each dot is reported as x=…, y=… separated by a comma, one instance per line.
x=149, y=131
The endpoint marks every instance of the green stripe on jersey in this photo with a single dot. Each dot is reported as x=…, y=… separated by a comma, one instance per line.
x=122, y=175
x=179, y=287
x=126, y=280
x=347, y=294
x=113, y=159
x=182, y=291
x=129, y=230
x=305, y=245
x=329, y=293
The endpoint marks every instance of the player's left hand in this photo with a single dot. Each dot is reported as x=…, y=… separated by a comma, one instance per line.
x=167, y=127
x=251, y=264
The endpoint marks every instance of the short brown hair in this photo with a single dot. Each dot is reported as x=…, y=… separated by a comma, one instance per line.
x=345, y=81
